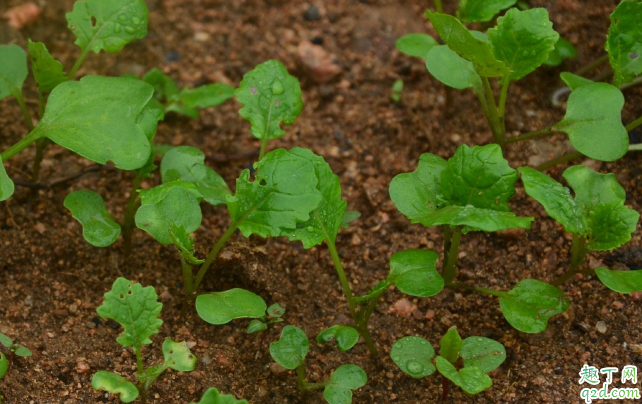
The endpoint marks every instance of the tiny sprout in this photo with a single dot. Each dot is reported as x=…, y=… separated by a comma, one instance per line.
x=397, y=90
x=12, y=349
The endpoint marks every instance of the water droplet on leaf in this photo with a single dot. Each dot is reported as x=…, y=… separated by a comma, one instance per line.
x=277, y=87
x=414, y=367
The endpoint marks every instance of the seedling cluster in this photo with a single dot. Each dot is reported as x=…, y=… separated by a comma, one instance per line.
x=294, y=194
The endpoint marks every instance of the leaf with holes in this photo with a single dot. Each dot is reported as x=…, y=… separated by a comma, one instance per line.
x=98, y=227
x=341, y=383
x=291, y=349
x=115, y=384
x=414, y=356
x=222, y=307
x=624, y=42
x=47, y=71
x=416, y=45
x=345, y=336
x=621, y=281
x=482, y=10
x=178, y=356
x=13, y=70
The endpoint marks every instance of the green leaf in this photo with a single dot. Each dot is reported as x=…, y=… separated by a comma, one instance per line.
x=471, y=379
x=397, y=90
x=155, y=195
x=135, y=308
x=620, y=281
x=269, y=95
x=483, y=353
x=98, y=227
x=148, y=122
x=530, y=304
x=482, y=10
x=115, y=384
x=592, y=188
x=341, y=383
x=348, y=217
x=346, y=336
x=563, y=50
x=573, y=81
x=291, y=349
x=466, y=45
x=276, y=311
x=450, y=345
x=624, y=42
x=183, y=109
x=212, y=396
x=222, y=307
x=473, y=218
x=414, y=356
x=4, y=365
x=165, y=87
x=178, y=356
x=593, y=122
x=451, y=69
x=47, y=71
x=13, y=70
x=416, y=192
x=179, y=207
x=184, y=243
x=96, y=117
x=555, y=198
x=283, y=194
x=523, y=40
x=107, y=24
x=206, y=96
x=414, y=273
x=611, y=225
x=6, y=341
x=6, y=184
x=416, y=44
x=22, y=351
x=326, y=220
x=256, y=326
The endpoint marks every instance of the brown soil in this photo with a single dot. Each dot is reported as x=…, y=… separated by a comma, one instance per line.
x=52, y=281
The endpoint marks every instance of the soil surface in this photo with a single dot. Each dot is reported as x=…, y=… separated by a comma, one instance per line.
x=52, y=280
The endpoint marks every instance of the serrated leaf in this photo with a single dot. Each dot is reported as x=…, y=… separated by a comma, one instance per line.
x=212, y=396
x=178, y=356
x=592, y=188
x=22, y=351
x=98, y=227
x=450, y=345
x=611, y=225
x=326, y=220
x=414, y=273
x=414, y=356
x=556, y=199
x=134, y=307
x=482, y=10
x=416, y=44
x=222, y=307
x=165, y=87
x=416, y=192
x=185, y=244
x=4, y=365
x=47, y=71
x=96, y=117
x=474, y=219
x=269, y=95
x=291, y=349
x=451, y=69
x=483, y=353
x=471, y=379
x=345, y=336
x=573, y=81
x=283, y=194
x=593, y=122
x=341, y=383
x=6, y=184
x=624, y=42
x=523, y=40
x=563, y=50
x=107, y=24
x=466, y=45
x=13, y=70
x=530, y=304
x=256, y=326
x=115, y=384
x=620, y=281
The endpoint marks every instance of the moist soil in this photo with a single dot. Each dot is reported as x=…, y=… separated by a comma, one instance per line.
x=52, y=280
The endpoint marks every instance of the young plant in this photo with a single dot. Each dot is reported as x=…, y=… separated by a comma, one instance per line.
x=290, y=352
x=136, y=309
x=596, y=216
x=8, y=350
x=623, y=42
x=465, y=363
x=212, y=396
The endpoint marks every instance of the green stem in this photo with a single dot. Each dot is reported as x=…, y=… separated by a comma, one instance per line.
x=449, y=269
x=438, y=6
x=216, y=248
x=578, y=253
x=635, y=147
x=565, y=158
x=130, y=213
x=486, y=291
x=21, y=145
x=634, y=124
x=41, y=144
x=79, y=62
x=266, y=136
x=531, y=135
x=25, y=111
x=597, y=62
x=495, y=125
x=502, y=101
x=302, y=382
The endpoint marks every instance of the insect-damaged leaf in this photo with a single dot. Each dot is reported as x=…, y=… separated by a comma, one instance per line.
x=115, y=384
x=98, y=227
x=222, y=307
x=177, y=356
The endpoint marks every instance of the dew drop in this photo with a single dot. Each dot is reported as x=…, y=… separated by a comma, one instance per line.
x=414, y=367
x=277, y=87
x=117, y=28
x=480, y=339
x=122, y=17
x=396, y=358
x=130, y=30
x=310, y=228
x=136, y=20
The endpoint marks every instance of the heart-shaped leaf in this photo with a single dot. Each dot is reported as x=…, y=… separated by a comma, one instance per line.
x=107, y=24
x=416, y=45
x=341, y=383
x=414, y=356
x=624, y=42
x=573, y=81
x=414, y=273
x=222, y=307
x=451, y=69
x=450, y=345
x=178, y=356
x=563, y=50
x=115, y=384
x=593, y=122
x=135, y=308
x=291, y=349
x=621, y=281
x=530, y=304
x=6, y=184
x=212, y=396
x=98, y=227
x=13, y=70
x=483, y=353
x=96, y=117
x=345, y=336
x=481, y=10
x=471, y=379
x=47, y=71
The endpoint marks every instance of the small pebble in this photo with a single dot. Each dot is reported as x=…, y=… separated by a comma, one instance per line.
x=601, y=326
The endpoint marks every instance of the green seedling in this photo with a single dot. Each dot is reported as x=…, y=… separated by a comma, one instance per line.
x=9, y=349
x=397, y=90
x=212, y=396
x=290, y=352
x=136, y=309
x=624, y=42
x=465, y=363
x=596, y=217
